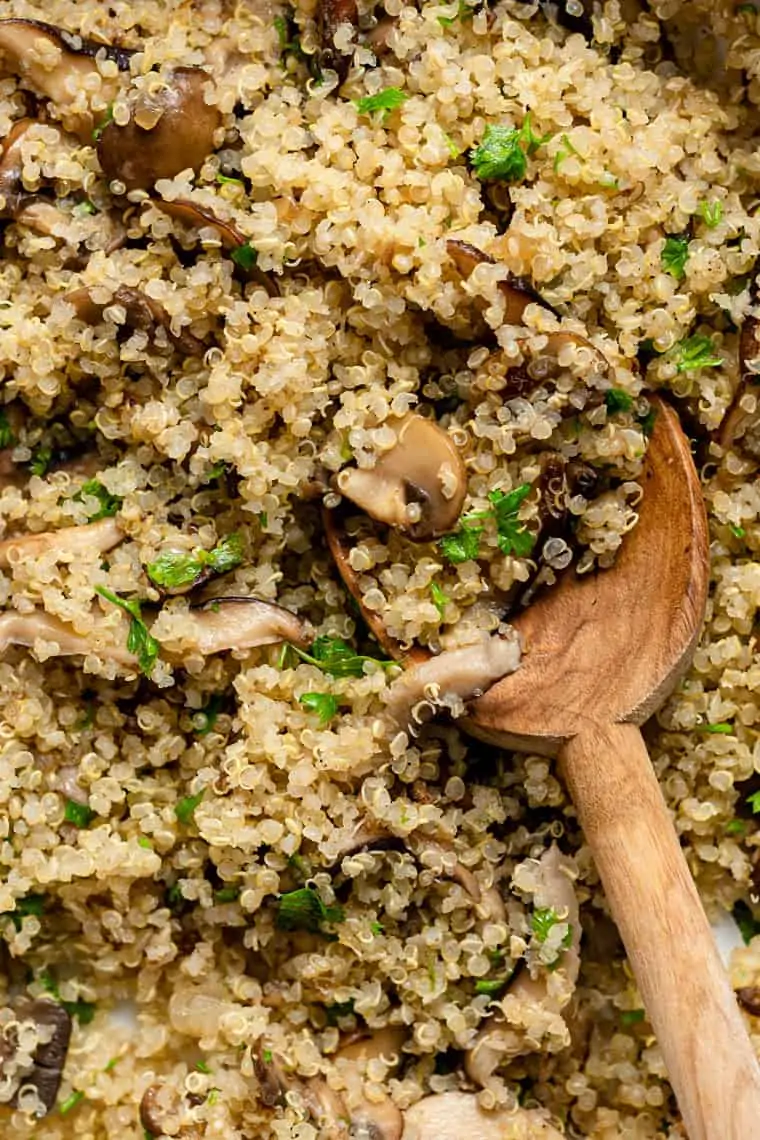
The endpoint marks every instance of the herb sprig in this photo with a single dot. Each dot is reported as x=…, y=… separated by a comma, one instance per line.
x=503, y=152
x=139, y=639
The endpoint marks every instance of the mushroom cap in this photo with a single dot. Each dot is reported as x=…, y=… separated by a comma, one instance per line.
x=168, y=131
x=418, y=486
x=458, y=1116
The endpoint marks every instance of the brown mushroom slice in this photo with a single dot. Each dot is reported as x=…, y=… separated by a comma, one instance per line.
x=517, y=292
x=28, y=629
x=57, y=63
x=458, y=1116
x=171, y=128
x=418, y=486
x=68, y=543
x=43, y=1075
x=532, y=1006
x=749, y=999
x=378, y=1120
x=11, y=165
x=198, y=217
x=465, y=672
x=161, y=1113
x=332, y=16
x=141, y=312
x=237, y=623
x=741, y=424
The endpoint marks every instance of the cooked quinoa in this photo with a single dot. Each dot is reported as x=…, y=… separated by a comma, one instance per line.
x=265, y=905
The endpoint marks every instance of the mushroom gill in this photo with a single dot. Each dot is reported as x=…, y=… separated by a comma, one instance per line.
x=141, y=312
x=418, y=486
x=171, y=128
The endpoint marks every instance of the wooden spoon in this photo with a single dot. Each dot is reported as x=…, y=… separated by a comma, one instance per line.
x=600, y=654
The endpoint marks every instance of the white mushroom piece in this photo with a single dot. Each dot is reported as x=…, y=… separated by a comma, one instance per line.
x=60, y=65
x=68, y=543
x=741, y=424
x=458, y=1116
x=462, y=673
x=417, y=486
x=529, y=1017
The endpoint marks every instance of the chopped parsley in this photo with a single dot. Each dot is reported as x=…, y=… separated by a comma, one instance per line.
x=173, y=569
x=101, y=126
x=304, y=909
x=723, y=728
x=675, y=254
x=439, y=598
x=630, y=1017
x=754, y=802
x=227, y=895
x=139, y=639
x=749, y=927
x=79, y=814
x=388, y=100
x=29, y=905
x=647, y=422
x=323, y=704
x=143, y=841
x=513, y=538
x=202, y=1067
x=463, y=544
x=338, y=1010
x=465, y=12
x=695, y=352
x=376, y=928
x=334, y=656
x=223, y=180
x=245, y=256
x=738, y=531
x=617, y=401
x=490, y=986
x=217, y=471
x=185, y=808
x=83, y=1011
x=736, y=827
x=205, y=719
x=267, y=1056
x=40, y=461
x=542, y=920
x=71, y=1102
x=290, y=40
x=7, y=438
x=711, y=212
x=108, y=503
x=503, y=152
x=564, y=152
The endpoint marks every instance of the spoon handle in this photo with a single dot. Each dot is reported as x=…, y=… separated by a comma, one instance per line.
x=707, y=1052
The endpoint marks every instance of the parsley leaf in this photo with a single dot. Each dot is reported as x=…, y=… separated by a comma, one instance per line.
x=695, y=352
x=303, y=909
x=736, y=827
x=514, y=538
x=245, y=256
x=202, y=1067
x=83, y=1011
x=109, y=504
x=465, y=12
x=184, y=809
x=323, y=704
x=101, y=126
x=227, y=894
x=491, y=986
x=617, y=401
x=139, y=639
x=630, y=1017
x=542, y=920
x=40, y=461
x=503, y=152
x=439, y=599
x=71, y=1102
x=174, y=569
x=711, y=212
x=205, y=719
x=723, y=728
x=224, y=180
x=217, y=471
x=748, y=925
x=334, y=656
x=29, y=905
x=339, y=1009
x=226, y=555
x=7, y=438
x=387, y=100
x=675, y=254
x=754, y=802
x=79, y=814
x=463, y=544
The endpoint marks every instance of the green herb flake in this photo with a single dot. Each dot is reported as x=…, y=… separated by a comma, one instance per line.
x=502, y=153
x=439, y=598
x=452, y=147
x=245, y=256
x=29, y=905
x=462, y=545
x=7, y=438
x=542, y=920
x=108, y=504
x=217, y=471
x=49, y=983
x=564, y=152
x=83, y=1011
x=205, y=719
x=87, y=207
x=736, y=827
x=711, y=212
x=79, y=814
x=630, y=1017
x=111, y=1065
x=213, y=1097
x=224, y=180
x=184, y=810
x=202, y=1067
x=465, y=12
x=490, y=986
x=173, y=570
x=754, y=802
x=617, y=401
x=675, y=254
x=304, y=909
x=227, y=895
x=695, y=352
x=338, y=1010
x=139, y=639
x=143, y=841
x=323, y=704
x=40, y=461
x=749, y=927
x=738, y=531
x=70, y=1102
x=723, y=728
x=388, y=100
x=334, y=656
x=377, y=928
x=101, y=126
x=513, y=537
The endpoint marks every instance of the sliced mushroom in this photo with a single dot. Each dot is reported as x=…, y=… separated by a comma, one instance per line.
x=29, y=629
x=171, y=128
x=141, y=312
x=43, y=1072
x=418, y=486
x=68, y=543
x=466, y=672
x=376, y=1120
x=518, y=293
x=236, y=623
x=532, y=1007
x=57, y=64
x=162, y=1112
x=200, y=217
x=749, y=999
x=741, y=423
x=458, y=1116
x=332, y=16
